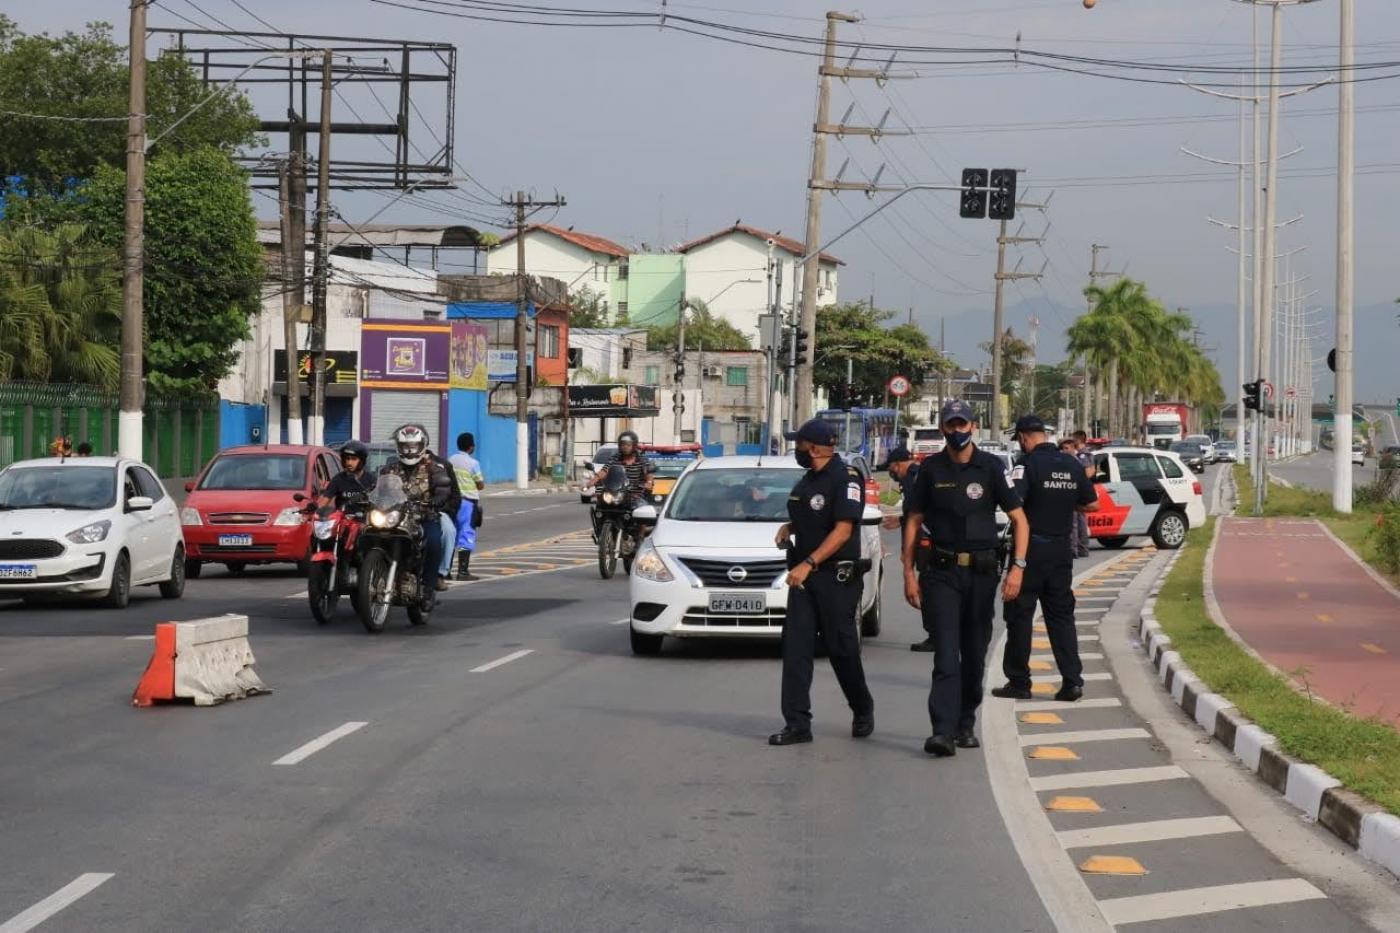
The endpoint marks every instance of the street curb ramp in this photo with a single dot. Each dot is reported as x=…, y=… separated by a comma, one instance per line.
x=207, y=661
x=1356, y=821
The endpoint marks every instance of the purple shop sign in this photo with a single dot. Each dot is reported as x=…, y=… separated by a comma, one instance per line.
x=403, y=355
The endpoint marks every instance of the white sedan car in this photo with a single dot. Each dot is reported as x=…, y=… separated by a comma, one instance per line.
x=710, y=568
x=88, y=526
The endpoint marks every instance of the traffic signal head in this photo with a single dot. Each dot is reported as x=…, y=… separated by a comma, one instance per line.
x=1251, y=395
x=801, y=345
x=1002, y=203
x=973, y=202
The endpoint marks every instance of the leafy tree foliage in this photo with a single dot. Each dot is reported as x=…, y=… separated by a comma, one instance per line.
x=702, y=330
x=862, y=334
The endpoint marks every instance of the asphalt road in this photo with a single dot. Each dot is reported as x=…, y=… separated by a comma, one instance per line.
x=513, y=766
x=1315, y=470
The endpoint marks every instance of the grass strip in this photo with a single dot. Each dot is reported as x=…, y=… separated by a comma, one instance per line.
x=1364, y=754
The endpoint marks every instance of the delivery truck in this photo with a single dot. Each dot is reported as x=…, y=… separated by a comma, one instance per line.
x=1165, y=423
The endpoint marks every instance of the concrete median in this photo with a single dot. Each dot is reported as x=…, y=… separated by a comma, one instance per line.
x=207, y=661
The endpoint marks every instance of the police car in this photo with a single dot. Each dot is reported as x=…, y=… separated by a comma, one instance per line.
x=1144, y=492
x=710, y=568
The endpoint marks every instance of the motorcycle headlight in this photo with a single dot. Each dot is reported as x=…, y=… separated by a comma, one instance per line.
x=650, y=566
x=90, y=534
x=189, y=516
x=324, y=529
x=612, y=498
x=381, y=519
x=289, y=516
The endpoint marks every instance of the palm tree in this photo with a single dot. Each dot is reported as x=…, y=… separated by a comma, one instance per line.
x=60, y=307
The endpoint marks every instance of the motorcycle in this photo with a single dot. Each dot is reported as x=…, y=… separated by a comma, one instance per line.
x=335, y=533
x=615, y=531
x=391, y=558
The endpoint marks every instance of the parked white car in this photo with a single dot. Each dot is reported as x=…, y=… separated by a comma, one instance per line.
x=1143, y=491
x=89, y=525
x=710, y=568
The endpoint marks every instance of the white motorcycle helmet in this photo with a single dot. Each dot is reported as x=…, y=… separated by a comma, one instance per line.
x=411, y=444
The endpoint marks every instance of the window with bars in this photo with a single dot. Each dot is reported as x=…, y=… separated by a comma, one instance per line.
x=736, y=375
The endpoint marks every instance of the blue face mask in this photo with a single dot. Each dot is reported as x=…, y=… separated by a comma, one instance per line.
x=958, y=439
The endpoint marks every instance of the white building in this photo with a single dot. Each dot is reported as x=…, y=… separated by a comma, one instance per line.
x=581, y=261
x=728, y=270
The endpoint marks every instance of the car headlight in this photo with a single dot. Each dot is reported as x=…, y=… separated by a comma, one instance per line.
x=324, y=529
x=90, y=534
x=289, y=516
x=650, y=566
x=381, y=519
x=190, y=516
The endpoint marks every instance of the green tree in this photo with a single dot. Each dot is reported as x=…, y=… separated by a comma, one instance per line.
x=60, y=307
x=203, y=263
x=84, y=75
x=587, y=309
x=1015, y=357
x=862, y=334
x=702, y=330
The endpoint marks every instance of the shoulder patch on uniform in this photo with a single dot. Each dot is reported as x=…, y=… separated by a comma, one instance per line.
x=1018, y=471
x=854, y=493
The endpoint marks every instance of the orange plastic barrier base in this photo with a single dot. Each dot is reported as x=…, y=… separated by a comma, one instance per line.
x=158, y=683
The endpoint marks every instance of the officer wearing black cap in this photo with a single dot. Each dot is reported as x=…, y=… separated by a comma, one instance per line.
x=824, y=583
x=1054, y=487
x=953, y=578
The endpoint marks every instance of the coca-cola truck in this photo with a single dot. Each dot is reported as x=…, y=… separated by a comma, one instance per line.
x=1165, y=423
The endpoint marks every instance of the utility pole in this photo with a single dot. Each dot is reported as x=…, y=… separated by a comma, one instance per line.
x=678, y=398
x=322, y=270
x=1030, y=381
x=294, y=269
x=129, y=421
x=1346, y=270
x=1087, y=416
x=998, y=318
x=523, y=208
x=1266, y=287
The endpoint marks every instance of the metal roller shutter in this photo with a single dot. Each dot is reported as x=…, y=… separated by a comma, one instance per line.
x=390, y=409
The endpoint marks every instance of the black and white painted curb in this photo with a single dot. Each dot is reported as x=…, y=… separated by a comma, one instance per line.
x=1350, y=817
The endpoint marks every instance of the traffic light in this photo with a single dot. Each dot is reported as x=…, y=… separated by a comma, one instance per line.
x=1252, y=391
x=1002, y=204
x=973, y=202
x=801, y=345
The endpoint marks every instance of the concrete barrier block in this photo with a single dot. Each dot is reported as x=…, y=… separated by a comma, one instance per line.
x=1250, y=740
x=1380, y=840
x=1182, y=676
x=1164, y=666
x=214, y=662
x=1208, y=706
x=1305, y=786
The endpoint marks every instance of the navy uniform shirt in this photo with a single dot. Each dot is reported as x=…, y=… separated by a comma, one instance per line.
x=959, y=500
x=1053, y=485
x=820, y=499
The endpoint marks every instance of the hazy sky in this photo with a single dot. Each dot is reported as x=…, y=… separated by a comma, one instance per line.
x=651, y=133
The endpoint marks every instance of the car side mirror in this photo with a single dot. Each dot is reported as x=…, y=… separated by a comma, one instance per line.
x=299, y=497
x=140, y=504
x=189, y=487
x=872, y=516
x=644, y=513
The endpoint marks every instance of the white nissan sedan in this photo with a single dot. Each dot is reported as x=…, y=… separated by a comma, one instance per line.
x=710, y=568
x=87, y=526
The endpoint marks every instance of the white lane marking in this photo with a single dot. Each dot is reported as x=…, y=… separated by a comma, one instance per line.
x=513, y=656
x=620, y=621
x=1087, y=623
x=139, y=638
x=82, y=885
x=1169, y=905
x=1083, y=656
x=1054, y=678
x=1077, y=738
x=1152, y=831
x=1114, y=778
x=315, y=745
x=1088, y=638
x=1059, y=706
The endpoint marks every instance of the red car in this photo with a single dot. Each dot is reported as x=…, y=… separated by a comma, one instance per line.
x=247, y=507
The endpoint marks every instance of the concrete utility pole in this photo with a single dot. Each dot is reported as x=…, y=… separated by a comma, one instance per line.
x=1086, y=417
x=129, y=421
x=322, y=269
x=678, y=398
x=998, y=318
x=1346, y=270
x=1267, y=284
x=523, y=208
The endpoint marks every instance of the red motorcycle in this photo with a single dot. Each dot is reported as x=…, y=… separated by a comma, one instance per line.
x=335, y=561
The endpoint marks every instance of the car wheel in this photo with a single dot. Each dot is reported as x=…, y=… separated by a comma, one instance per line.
x=1112, y=544
x=174, y=588
x=644, y=644
x=119, y=593
x=193, y=568
x=870, y=622
x=1169, y=530
x=236, y=570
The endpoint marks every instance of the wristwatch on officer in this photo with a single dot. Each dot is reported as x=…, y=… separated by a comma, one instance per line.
x=1019, y=563
x=809, y=562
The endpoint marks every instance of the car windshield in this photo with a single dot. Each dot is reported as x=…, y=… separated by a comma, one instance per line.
x=1225, y=445
x=1184, y=447
x=928, y=434
x=734, y=495
x=58, y=487
x=256, y=471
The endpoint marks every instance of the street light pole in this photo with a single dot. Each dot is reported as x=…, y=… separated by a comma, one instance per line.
x=129, y=422
x=1267, y=285
x=1346, y=193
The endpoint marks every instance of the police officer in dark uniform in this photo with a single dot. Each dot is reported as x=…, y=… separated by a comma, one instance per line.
x=953, y=577
x=1054, y=487
x=822, y=540
x=906, y=471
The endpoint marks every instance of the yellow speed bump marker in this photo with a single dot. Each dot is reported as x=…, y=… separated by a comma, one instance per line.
x=1111, y=865
x=1042, y=719
x=1325, y=619
x=1053, y=753
x=1041, y=666
x=1040, y=629
x=1373, y=649
x=1043, y=690
x=1040, y=643
x=1074, y=805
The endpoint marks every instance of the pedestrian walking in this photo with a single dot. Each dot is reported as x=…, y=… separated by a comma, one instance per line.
x=472, y=481
x=951, y=577
x=906, y=471
x=824, y=584
x=1054, y=489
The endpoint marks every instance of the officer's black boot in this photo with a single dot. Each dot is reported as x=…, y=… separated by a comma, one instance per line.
x=1070, y=693
x=966, y=738
x=925, y=645
x=1012, y=692
x=790, y=736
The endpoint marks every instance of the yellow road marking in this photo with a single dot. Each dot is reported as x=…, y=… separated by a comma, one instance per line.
x=1042, y=719
x=1041, y=666
x=1374, y=649
x=1054, y=753
x=1303, y=595
x=1325, y=619
x=1040, y=627
x=1040, y=643
x=1111, y=865
x=1043, y=690
x=1074, y=805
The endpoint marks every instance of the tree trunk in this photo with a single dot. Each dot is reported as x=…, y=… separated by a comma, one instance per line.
x=1113, y=397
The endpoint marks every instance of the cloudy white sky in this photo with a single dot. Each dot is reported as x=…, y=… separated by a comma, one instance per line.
x=654, y=134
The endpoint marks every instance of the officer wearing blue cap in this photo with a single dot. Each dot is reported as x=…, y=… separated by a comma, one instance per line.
x=952, y=575
x=1053, y=486
x=824, y=583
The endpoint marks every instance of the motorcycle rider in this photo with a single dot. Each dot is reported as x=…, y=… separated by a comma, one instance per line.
x=641, y=472
x=351, y=480
x=427, y=483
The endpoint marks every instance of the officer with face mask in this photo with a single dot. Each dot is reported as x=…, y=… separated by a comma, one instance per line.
x=951, y=575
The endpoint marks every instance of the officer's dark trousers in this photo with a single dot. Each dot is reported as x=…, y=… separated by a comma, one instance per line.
x=1048, y=578
x=957, y=609
x=825, y=610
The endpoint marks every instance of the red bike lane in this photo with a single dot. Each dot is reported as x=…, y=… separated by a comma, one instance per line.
x=1298, y=598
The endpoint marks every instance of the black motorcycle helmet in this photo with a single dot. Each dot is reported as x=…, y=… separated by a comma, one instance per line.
x=357, y=450
x=627, y=437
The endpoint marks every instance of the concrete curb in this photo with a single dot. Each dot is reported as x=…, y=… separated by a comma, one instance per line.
x=1321, y=798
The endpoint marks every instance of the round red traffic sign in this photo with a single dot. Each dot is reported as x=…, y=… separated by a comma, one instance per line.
x=1290, y=392
x=899, y=386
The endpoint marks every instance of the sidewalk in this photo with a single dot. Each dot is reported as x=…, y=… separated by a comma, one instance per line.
x=1294, y=596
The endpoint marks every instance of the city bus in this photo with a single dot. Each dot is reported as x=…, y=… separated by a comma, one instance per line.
x=872, y=432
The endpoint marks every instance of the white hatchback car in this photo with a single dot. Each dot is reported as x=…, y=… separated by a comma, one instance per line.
x=1143, y=491
x=88, y=526
x=710, y=568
